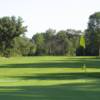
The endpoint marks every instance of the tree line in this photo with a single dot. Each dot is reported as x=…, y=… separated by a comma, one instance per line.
x=13, y=41
x=60, y=43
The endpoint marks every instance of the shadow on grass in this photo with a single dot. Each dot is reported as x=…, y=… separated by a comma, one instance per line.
x=56, y=92
x=60, y=64
x=61, y=76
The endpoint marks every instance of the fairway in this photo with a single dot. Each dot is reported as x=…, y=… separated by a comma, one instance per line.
x=49, y=78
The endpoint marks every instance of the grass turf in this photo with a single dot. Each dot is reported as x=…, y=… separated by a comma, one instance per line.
x=49, y=78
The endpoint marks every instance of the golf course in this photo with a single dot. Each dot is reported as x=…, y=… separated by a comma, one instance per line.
x=50, y=78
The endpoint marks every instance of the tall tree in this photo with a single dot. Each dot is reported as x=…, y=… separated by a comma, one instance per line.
x=93, y=33
x=10, y=27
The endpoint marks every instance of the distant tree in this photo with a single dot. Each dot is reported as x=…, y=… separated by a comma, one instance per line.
x=23, y=46
x=49, y=36
x=39, y=41
x=74, y=38
x=10, y=27
x=62, y=43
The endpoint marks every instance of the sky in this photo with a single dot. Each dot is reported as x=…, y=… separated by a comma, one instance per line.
x=40, y=15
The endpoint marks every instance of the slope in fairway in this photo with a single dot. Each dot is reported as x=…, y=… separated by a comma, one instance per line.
x=50, y=78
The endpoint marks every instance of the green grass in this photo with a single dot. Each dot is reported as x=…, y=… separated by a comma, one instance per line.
x=49, y=78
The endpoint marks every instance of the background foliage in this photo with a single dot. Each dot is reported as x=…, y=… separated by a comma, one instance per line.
x=70, y=42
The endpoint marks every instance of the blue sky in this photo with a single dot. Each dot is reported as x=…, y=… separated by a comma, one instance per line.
x=39, y=15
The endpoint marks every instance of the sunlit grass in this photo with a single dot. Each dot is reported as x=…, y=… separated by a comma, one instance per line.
x=49, y=78
x=19, y=82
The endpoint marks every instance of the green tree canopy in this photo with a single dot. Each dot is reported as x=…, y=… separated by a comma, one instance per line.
x=10, y=27
x=93, y=33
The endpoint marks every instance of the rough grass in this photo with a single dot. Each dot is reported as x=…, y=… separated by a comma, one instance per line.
x=50, y=78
